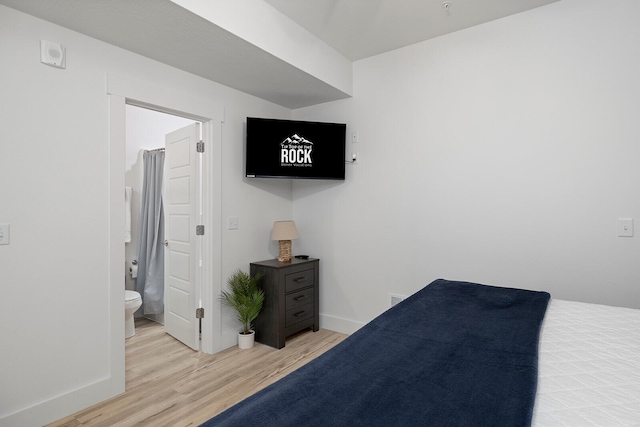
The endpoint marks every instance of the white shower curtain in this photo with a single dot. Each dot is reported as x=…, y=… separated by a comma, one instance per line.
x=150, y=280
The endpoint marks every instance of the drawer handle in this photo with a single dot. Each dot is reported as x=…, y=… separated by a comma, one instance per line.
x=300, y=313
x=300, y=279
x=301, y=297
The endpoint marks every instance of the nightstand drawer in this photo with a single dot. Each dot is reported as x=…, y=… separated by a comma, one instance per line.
x=291, y=297
x=298, y=314
x=299, y=298
x=299, y=280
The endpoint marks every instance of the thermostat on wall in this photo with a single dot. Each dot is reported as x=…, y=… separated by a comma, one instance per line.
x=52, y=54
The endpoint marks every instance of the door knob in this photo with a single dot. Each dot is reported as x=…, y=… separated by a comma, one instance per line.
x=166, y=243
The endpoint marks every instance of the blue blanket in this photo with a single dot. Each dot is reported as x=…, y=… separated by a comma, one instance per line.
x=453, y=354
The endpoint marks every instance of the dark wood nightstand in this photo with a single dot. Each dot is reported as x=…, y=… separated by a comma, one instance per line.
x=291, y=299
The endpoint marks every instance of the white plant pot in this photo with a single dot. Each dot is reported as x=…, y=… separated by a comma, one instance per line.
x=246, y=341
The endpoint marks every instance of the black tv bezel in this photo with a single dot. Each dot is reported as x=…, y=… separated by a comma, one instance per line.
x=331, y=177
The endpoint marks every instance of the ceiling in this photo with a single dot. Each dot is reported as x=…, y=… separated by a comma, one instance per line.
x=362, y=28
x=163, y=31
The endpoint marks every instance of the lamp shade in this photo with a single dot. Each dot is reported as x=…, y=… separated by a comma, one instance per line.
x=284, y=230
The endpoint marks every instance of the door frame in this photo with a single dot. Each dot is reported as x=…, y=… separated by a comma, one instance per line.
x=122, y=91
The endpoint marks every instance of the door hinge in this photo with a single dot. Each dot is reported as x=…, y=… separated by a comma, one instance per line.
x=200, y=147
x=199, y=230
x=200, y=313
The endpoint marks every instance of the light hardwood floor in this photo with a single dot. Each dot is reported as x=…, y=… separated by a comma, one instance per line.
x=168, y=384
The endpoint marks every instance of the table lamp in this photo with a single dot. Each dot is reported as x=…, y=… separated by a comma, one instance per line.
x=284, y=232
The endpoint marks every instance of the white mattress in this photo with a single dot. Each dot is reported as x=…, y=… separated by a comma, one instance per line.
x=589, y=366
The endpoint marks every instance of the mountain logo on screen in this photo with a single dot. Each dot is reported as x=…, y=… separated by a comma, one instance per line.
x=296, y=151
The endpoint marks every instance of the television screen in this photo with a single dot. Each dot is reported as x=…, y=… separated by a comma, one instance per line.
x=295, y=149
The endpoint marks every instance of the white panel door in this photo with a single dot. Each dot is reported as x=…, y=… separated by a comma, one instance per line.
x=181, y=256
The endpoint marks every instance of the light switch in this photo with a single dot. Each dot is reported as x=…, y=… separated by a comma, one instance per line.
x=354, y=137
x=625, y=227
x=4, y=234
x=232, y=223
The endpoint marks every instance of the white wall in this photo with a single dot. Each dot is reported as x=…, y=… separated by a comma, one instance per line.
x=501, y=154
x=54, y=191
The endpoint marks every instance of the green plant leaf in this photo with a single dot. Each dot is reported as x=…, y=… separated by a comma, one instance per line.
x=245, y=296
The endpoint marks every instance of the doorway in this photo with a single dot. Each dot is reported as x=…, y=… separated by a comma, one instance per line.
x=124, y=91
x=145, y=131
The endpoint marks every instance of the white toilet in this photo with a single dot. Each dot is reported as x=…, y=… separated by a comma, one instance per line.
x=132, y=302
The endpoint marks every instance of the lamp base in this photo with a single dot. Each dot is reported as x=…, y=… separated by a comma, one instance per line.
x=284, y=250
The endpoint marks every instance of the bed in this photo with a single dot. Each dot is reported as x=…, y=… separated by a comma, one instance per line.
x=589, y=366
x=466, y=354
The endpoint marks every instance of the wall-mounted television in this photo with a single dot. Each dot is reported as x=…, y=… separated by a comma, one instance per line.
x=295, y=149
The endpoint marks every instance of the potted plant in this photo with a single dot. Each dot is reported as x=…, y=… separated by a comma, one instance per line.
x=246, y=298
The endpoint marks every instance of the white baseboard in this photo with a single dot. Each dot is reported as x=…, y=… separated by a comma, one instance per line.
x=59, y=407
x=228, y=339
x=332, y=323
x=338, y=324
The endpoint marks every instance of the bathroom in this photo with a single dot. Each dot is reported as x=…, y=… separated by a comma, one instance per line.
x=145, y=131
